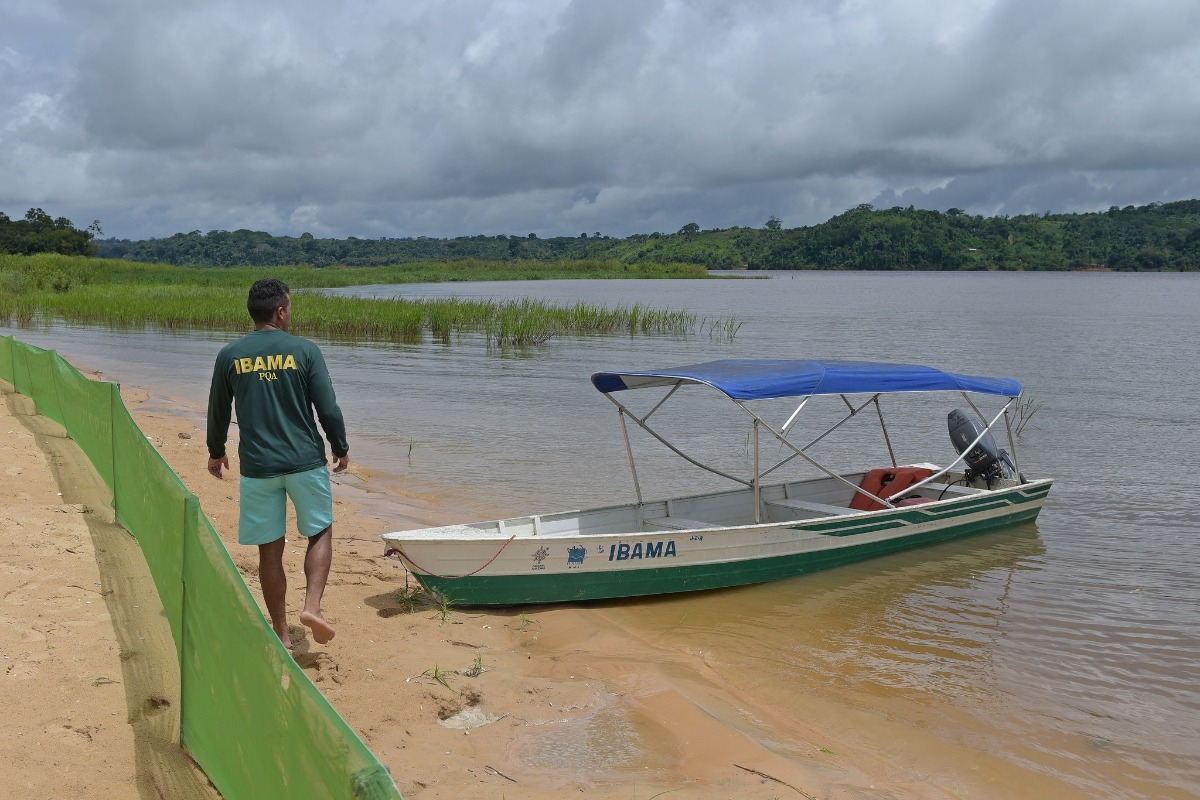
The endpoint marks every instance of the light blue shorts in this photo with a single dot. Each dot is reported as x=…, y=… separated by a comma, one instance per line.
x=263, y=517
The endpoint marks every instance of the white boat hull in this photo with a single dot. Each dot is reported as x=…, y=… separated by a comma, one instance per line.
x=694, y=543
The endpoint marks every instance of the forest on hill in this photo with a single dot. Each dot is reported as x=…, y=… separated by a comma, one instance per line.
x=1158, y=236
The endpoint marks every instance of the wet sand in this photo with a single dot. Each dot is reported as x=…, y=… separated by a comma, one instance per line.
x=566, y=699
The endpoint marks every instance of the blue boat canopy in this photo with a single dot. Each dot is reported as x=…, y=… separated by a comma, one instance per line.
x=752, y=379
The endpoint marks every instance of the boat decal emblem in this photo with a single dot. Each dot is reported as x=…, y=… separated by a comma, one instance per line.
x=576, y=554
x=539, y=558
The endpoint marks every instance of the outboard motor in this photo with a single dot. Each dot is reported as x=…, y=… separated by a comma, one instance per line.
x=985, y=458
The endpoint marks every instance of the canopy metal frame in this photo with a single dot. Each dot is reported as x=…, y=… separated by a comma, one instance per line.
x=759, y=424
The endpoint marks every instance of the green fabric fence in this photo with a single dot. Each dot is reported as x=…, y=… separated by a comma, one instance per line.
x=250, y=716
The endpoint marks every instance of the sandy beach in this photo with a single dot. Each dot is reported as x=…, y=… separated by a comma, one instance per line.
x=455, y=702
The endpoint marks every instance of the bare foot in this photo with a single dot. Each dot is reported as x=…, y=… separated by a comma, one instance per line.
x=322, y=631
x=285, y=638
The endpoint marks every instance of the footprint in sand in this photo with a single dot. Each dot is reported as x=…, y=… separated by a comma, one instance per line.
x=21, y=671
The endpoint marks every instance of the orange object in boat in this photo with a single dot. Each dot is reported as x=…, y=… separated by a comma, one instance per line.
x=886, y=483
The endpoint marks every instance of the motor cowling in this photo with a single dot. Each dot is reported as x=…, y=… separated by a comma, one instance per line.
x=984, y=460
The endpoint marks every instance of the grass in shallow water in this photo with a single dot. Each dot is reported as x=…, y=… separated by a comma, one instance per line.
x=121, y=294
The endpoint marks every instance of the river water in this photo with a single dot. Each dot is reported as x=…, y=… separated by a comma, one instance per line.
x=1056, y=659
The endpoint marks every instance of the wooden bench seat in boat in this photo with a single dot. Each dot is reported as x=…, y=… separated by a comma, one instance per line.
x=824, y=509
x=677, y=523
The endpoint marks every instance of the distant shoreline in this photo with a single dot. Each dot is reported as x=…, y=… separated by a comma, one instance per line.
x=1150, y=238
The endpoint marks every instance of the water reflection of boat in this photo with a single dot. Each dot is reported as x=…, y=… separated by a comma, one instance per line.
x=759, y=532
x=981, y=567
x=932, y=620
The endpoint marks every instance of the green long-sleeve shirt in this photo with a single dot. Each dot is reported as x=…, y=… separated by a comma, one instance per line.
x=275, y=381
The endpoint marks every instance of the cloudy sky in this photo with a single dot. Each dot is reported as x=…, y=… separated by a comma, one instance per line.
x=457, y=117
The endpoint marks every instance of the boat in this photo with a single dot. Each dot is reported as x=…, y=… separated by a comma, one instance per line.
x=763, y=528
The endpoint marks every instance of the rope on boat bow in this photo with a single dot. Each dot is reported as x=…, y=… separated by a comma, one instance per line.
x=404, y=555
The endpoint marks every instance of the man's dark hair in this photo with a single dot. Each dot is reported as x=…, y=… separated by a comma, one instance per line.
x=266, y=295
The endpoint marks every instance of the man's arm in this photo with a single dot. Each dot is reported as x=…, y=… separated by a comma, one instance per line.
x=220, y=399
x=324, y=400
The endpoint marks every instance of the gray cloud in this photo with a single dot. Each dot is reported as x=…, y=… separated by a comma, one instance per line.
x=619, y=116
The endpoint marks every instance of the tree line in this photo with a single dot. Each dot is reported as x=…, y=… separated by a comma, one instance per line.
x=38, y=232
x=1158, y=236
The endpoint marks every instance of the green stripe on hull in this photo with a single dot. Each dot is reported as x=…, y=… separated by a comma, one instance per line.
x=914, y=517
x=503, y=590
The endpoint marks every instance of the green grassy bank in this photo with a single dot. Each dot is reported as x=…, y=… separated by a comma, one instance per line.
x=121, y=293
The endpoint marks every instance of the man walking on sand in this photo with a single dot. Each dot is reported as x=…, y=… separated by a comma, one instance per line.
x=275, y=381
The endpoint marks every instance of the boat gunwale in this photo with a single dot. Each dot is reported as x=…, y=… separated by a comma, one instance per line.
x=456, y=533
